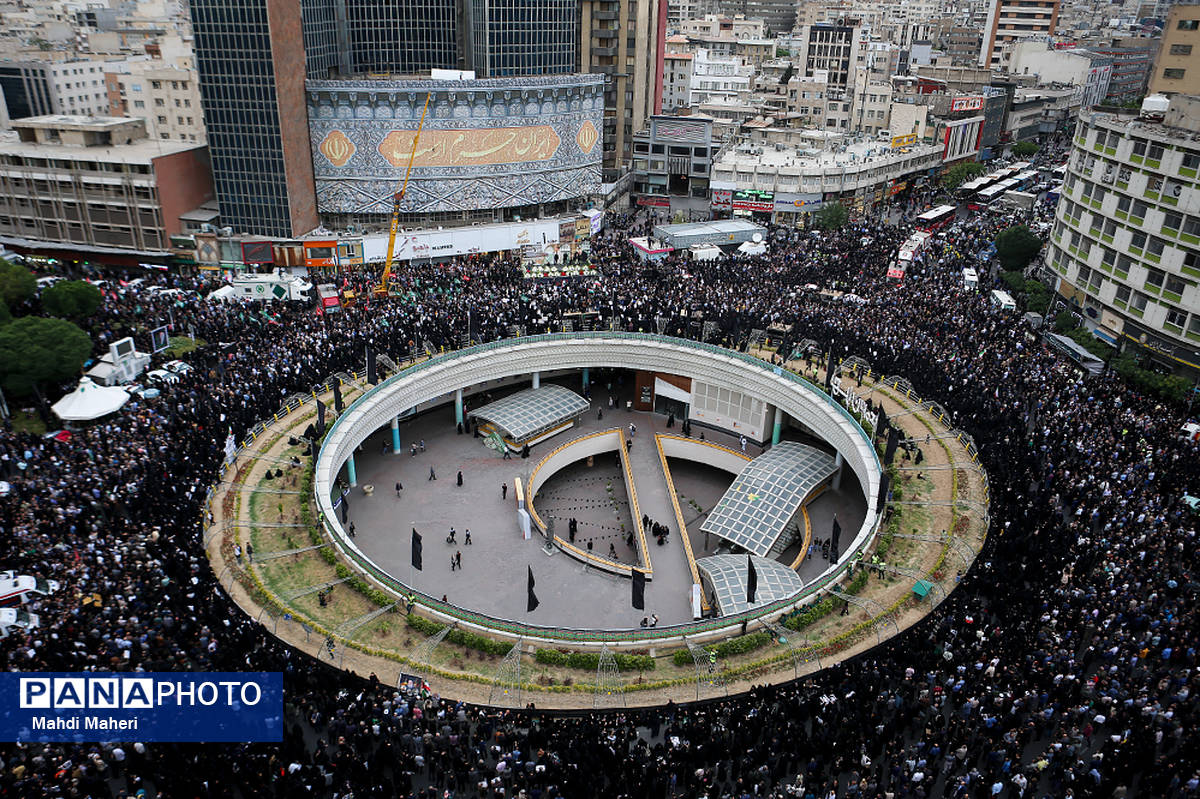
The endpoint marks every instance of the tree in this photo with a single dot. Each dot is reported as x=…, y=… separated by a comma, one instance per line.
x=960, y=173
x=1024, y=149
x=831, y=216
x=1016, y=247
x=5, y=314
x=35, y=350
x=72, y=299
x=17, y=283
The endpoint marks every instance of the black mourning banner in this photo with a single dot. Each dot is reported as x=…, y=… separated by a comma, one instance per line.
x=751, y=581
x=889, y=454
x=416, y=549
x=639, y=589
x=337, y=396
x=531, y=601
x=320, y=419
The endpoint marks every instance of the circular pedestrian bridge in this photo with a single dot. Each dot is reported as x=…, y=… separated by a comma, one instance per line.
x=437, y=380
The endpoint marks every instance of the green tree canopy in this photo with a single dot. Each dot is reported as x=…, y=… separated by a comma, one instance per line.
x=17, y=283
x=960, y=173
x=5, y=314
x=1024, y=149
x=1016, y=247
x=35, y=350
x=72, y=299
x=831, y=216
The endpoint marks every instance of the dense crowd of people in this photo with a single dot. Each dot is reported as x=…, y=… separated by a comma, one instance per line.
x=1062, y=666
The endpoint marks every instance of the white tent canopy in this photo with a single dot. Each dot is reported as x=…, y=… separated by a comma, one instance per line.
x=90, y=401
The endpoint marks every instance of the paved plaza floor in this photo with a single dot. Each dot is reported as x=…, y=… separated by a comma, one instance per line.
x=493, y=575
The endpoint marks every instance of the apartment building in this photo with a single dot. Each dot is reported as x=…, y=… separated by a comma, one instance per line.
x=167, y=97
x=98, y=184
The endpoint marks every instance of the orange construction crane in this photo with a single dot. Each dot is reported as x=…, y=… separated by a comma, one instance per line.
x=397, y=199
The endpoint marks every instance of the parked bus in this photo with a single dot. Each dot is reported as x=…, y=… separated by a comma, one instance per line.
x=1025, y=180
x=937, y=218
x=1054, y=192
x=989, y=195
x=967, y=191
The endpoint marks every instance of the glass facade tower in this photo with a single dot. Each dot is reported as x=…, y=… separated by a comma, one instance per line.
x=253, y=57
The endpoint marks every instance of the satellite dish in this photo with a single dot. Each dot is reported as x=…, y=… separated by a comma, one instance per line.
x=757, y=238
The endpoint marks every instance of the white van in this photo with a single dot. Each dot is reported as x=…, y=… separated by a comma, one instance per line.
x=970, y=279
x=1003, y=300
x=15, y=618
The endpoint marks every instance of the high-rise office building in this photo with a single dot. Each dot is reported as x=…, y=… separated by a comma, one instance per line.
x=625, y=40
x=311, y=107
x=250, y=56
x=1010, y=21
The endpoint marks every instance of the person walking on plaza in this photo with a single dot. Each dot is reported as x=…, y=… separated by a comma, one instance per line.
x=399, y=488
x=460, y=478
x=458, y=558
x=467, y=537
x=743, y=443
x=504, y=491
x=432, y=474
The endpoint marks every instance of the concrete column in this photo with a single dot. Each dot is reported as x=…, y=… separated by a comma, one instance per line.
x=537, y=379
x=458, y=406
x=395, y=435
x=585, y=378
x=350, y=471
x=777, y=433
x=837, y=475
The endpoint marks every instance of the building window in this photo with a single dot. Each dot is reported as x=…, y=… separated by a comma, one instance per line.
x=1194, y=327
x=1173, y=74
x=1188, y=24
x=1155, y=278
x=1175, y=285
x=1123, y=293
x=1181, y=49
x=1176, y=317
x=1139, y=301
x=1172, y=221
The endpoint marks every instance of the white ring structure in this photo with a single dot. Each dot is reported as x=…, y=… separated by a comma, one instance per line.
x=508, y=357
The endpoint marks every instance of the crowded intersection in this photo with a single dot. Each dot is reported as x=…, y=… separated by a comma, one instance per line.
x=1061, y=666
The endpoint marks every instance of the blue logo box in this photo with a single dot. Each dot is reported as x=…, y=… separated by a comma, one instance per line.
x=193, y=707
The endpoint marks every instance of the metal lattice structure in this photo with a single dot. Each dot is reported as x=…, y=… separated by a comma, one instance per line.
x=804, y=347
x=902, y=571
x=801, y=656
x=291, y=596
x=609, y=691
x=506, y=683
x=854, y=366
x=961, y=548
x=259, y=557
x=344, y=629
x=727, y=574
x=756, y=509
x=705, y=662
x=877, y=612
x=423, y=654
x=532, y=411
